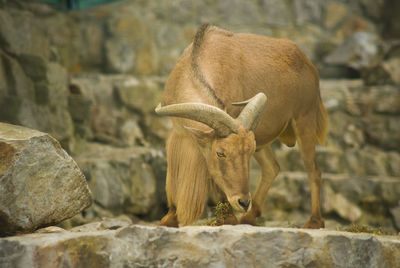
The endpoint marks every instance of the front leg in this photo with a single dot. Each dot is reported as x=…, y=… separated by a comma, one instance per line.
x=269, y=171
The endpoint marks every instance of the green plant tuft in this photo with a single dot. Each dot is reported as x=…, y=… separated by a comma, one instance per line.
x=221, y=210
x=358, y=228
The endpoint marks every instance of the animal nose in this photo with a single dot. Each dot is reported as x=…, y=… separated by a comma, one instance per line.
x=244, y=203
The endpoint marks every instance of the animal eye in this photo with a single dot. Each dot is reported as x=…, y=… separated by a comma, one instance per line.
x=219, y=154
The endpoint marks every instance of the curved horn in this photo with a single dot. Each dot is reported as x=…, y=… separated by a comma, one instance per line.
x=220, y=121
x=252, y=112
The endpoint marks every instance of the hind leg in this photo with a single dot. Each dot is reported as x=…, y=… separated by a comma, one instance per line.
x=306, y=135
x=269, y=170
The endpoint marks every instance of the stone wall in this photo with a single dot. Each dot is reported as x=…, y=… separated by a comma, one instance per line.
x=91, y=79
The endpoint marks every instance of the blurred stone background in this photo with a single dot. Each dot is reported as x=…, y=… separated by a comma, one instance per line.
x=92, y=77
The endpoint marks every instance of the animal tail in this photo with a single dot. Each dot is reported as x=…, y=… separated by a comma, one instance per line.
x=322, y=122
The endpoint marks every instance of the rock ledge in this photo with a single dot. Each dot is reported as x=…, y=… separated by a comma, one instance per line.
x=200, y=246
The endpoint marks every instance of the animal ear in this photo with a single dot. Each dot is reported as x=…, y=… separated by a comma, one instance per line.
x=203, y=136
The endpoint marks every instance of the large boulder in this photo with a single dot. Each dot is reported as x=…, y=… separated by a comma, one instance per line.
x=226, y=246
x=40, y=184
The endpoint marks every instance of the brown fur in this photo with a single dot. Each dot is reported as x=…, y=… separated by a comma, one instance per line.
x=187, y=178
x=220, y=68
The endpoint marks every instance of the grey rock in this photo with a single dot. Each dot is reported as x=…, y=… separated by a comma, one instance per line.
x=235, y=12
x=276, y=13
x=38, y=102
x=352, y=198
x=342, y=206
x=131, y=133
x=112, y=108
x=40, y=184
x=308, y=11
x=104, y=224
x=120, y=178
x=382, y=131
x=119, y=56
x=139, y=94
x=21, y=35
x=335, y=13
x=226, y=246
x=394, y=163
x=396, y=215
x=358, y=51
x=100, y=111
x=373, y=8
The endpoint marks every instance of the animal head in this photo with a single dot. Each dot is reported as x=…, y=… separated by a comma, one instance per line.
x=227, y=145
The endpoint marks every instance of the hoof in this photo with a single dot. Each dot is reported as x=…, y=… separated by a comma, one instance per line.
x=314, y=223
x=248, y=219
x=229, y=219
x=169, y=221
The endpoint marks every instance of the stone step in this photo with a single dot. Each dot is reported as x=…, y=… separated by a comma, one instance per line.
x=370, y=200
x=124, y=180
x=368, y=160
x=200, y=246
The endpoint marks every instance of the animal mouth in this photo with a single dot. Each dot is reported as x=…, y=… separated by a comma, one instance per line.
x=241, y=204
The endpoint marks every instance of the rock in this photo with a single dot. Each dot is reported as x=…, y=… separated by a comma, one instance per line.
x=158, y=129
x=131, y=133
x=38, y=102
x=392, y=67
x=386, y=100
x=373, y=160
x=373, y=8
x=40, y=183
x=355, y=23
x=52, y=116
x=147, y=59
x=391, y=25
x=99, y=114
x=330, y=161
x=358, y=51
x=376, y=75
x=394, y=164
x=120, y=178
x=351, y=198
x=382, y=130
x=385, y=71
x=140, y=94
x=92, y=51
x=236, y=12
x=21, y=35
x=115, y=108
x=308, y=11
x=276, y=13
x=104, y=224
x=226, y=246
x=50, y=229
x=336, y=202
x=334, y=14
x=14, y=81
x=396, y=215
x=119, y=56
